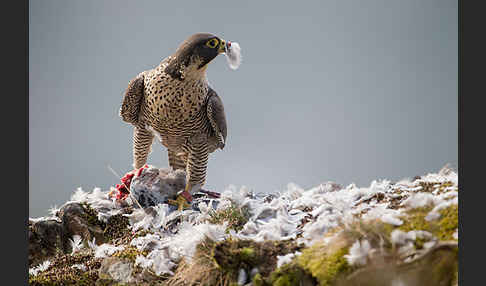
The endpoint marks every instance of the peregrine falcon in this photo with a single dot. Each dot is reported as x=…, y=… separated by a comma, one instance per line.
x=174, y=102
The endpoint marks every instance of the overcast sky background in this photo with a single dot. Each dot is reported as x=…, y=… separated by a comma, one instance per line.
x=344, y=91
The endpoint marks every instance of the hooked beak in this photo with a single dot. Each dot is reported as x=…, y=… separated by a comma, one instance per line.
x=223, y=45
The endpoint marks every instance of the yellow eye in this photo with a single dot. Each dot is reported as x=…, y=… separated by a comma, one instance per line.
x=213, y=43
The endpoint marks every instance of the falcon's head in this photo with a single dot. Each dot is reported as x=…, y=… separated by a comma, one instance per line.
x=195, y=53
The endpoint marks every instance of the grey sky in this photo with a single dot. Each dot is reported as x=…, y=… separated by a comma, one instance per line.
x=347, y=91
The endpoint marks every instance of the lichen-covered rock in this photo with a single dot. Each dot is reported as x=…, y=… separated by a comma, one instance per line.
x=81, y=219
x=49, y=237
x=116, y=269
x=46, y=239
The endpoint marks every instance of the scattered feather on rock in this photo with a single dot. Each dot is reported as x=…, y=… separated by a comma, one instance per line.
x=39, y=268
x=159, y=239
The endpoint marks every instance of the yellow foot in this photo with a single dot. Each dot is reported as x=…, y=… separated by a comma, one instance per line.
x=180, y=202
x=184, y=198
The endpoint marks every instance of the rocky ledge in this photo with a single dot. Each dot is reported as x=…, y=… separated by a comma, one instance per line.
x=390, y=233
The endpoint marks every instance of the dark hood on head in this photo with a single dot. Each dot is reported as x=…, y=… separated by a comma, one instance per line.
x=191, y=47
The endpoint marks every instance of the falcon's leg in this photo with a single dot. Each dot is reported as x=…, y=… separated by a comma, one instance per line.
x=197, y=162
x=175, y=161
x=142, y=143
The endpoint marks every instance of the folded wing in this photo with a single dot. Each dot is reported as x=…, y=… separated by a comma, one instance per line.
x=217, y=117
x=132, y=100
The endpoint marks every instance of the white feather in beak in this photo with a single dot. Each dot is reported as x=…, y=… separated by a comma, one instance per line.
x=233, y=55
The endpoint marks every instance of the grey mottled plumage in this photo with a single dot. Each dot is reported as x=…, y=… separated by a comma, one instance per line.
x=174, y=102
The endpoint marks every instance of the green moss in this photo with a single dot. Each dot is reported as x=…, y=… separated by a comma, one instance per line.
x=129, y=252
x=91, y=216
x=290, y=274
x=445, y=185
x=232, y=254
x=443, y=228
x=416, y=220
x=428, y=186
x=200, y=270
x=436, y=186
x=376, y=232
x=218, y=263
x=117, y=227
x=325, y=264
x=419, y=243
x=111, y=282
x=448, y=223
x=142, y=232
x=247, y=253
x=82, y=279
x=258, y=280
x=236, y=217
x=61, y=272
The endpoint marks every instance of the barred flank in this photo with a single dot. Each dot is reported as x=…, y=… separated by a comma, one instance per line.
x=142, y=142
